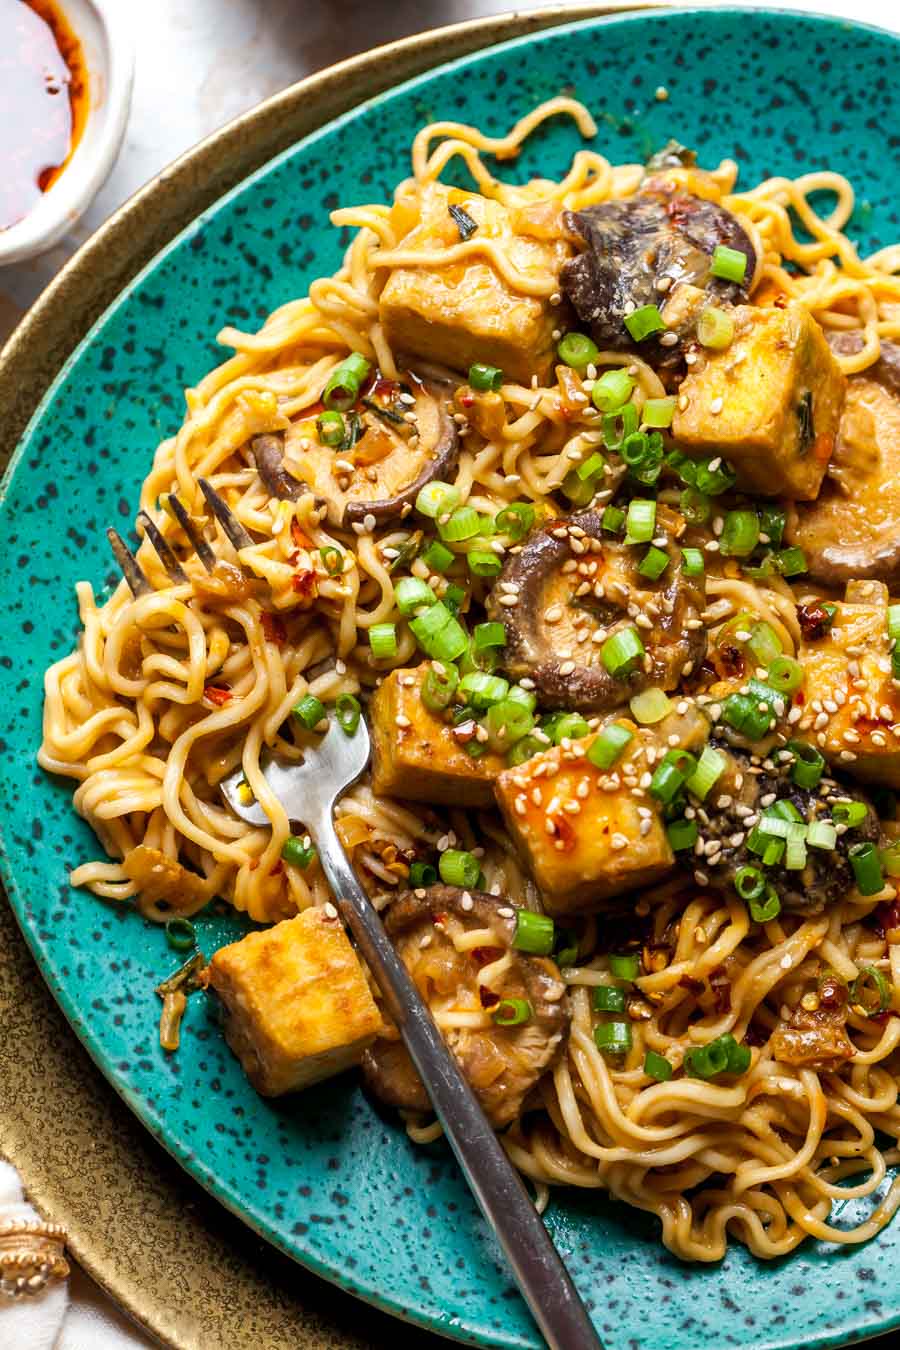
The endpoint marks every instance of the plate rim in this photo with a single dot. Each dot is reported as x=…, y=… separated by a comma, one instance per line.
x=557, y=18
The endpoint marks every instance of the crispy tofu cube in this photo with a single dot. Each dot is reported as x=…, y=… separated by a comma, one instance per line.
x=581, y=858
x=298, y=1005
x=464, y=312
x=770, y=403
x=850, y=669
x=415, y=753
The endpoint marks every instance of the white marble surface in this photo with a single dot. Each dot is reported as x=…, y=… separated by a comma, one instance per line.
x=201, y=63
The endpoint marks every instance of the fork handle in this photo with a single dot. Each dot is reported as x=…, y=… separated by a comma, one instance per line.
x=539, y=1271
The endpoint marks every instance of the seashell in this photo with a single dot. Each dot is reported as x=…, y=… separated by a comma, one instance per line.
x=32, y=1252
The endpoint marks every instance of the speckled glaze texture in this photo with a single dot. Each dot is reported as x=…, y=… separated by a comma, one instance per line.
x=324, y=1175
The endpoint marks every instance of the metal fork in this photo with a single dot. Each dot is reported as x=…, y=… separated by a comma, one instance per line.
x=309, y=792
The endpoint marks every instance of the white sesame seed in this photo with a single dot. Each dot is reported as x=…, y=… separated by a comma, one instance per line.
x=619, y=841
x=716, y=405
x=402, y=720
x=330, y=910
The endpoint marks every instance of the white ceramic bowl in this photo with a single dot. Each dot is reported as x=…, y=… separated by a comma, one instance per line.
x=105, y=33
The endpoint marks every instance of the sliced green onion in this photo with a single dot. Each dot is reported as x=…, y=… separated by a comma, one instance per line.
x=654, y=563
x=606, y=748
x=526, y=748
x=890, y=859
x=850, y=814
x=577, y=350
x=332, y=560
x=479, y=658
x=454, y=597
x=784, y=810
x=481, y=690
x=640, y=521
x=437, y=499
x=488, y=635
x=821, y=834
x=741, y=713
x=710, y=767
x=785, y=674
x=656, y=1066
x=715, y=329
x=866, y=866
x=613, y=1038
x=437, y=557
x=706, y=1061
x=649, y=466
x=331, y=428
x=485, y=378
x=623, y=652
x=295, y=852
x=612, y=389
x=459, y=868
x=512, y=1012
x=383, y=640
x=609, y=998
x=713, y=481
x=795, y=858
x=693, y=564
x=347, y=710
x=728, y=263
x=893, y=622
x=439, y=686
x=765, y=644
x=535, y=933
x=870, y=981
x=463, y=523
x=670, y=774
x=592, y=467
x=749, y=883
x=566, y=949
x=625, y=965
x=772, y=521
x=790, y=561
x=695, y=506
x=437, y=632
x=410, y=594
x=682, y=834
x=571, y=727
x=516, y=520
x=634, y=448
x=649, y=706
x=658, y=412
x=507, y=722
x=422, y=874
x=740, y=534
x=181, y=934
x=310, y=711
x=483, y=563
x=526, y=697
x=739, y=1057
x=644, y=322
x=619, y=425
x=808, y=765
x=613, y=519
x=578, y=491
x=345, y=382
x=765, y=908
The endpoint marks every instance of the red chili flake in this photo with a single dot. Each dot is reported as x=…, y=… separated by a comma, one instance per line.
x=564, y=833
x=217, y=695
x=720, y=987
x=814, y=620
x=799, y=697
x=832, y=992
x=467, y=400
x=439, y=920
x=731, y=660
x=277, y=869
x=780, y=301
x=866, y=725
x=299, y=536
x=273, y=628
x=755, y=1035
x=488, y=998
x=885, y=917
x=304, y=583
x=464, y=732
x=483, y=956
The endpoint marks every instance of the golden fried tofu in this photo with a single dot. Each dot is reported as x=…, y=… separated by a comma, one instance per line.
x=418, y=755
x=466, y=311
x=298, y=1005
x=770, y=402
x=585, y=835
x=849, y=683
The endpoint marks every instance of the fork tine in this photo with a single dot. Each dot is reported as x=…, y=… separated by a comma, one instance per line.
x=166, y=556
x=229, y=522
x=198, y=543
x=131, y=568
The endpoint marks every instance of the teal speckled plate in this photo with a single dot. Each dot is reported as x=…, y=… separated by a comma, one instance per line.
x=322, y=1175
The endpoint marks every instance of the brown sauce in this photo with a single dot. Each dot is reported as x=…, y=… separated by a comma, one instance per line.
x=43, y=102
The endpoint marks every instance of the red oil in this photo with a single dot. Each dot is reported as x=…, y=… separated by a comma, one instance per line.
x=43, y=102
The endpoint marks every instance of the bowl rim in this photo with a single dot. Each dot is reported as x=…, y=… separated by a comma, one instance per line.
x=95, y=154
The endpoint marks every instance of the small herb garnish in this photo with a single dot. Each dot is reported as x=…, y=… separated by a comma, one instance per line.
x=386, y=414
x=805, y=417
x=464, y=222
